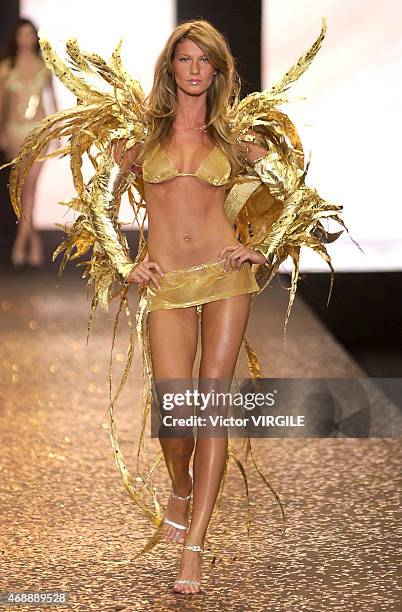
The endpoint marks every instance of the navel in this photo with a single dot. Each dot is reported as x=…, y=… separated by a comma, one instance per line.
x=187, y=237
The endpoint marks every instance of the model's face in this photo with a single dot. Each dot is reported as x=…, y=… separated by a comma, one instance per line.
x=26, y=37
x=192, y=69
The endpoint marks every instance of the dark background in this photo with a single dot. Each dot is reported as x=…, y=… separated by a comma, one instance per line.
x=364, y=310
x=9, y=12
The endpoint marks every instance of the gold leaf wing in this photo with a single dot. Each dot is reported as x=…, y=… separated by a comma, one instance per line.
x=255, y=109
x=274, y=211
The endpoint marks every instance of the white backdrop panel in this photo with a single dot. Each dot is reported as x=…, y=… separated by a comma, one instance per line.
x=351, y=118
x=98, y=27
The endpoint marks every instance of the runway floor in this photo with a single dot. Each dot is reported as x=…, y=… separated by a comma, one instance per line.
x=67, y=522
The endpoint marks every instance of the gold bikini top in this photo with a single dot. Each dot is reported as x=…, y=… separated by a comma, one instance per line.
x=215, y=169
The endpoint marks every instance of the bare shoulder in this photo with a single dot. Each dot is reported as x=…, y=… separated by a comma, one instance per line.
x=126, y=160
x=5, y=67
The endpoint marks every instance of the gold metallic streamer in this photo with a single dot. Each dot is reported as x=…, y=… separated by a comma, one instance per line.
x=252, y=360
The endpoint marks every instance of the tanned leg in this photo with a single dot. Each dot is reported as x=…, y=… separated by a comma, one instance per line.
x=222, y=328
x=173, y=336
x=26, y=232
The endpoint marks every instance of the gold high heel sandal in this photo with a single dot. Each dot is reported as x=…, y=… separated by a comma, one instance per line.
x=183, y=498
x=194, y=548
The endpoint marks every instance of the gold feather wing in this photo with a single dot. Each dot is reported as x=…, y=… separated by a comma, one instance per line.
x=109, y=107
x=274, y=211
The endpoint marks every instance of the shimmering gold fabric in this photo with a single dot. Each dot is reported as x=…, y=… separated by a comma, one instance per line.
x=22, y=104
x=269, y=204
x=200, y=284
x=214, y=169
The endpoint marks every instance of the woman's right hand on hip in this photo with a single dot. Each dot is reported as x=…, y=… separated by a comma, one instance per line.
x=142, y=273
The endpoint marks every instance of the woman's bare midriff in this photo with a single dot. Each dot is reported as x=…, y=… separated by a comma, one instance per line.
x=187, y=224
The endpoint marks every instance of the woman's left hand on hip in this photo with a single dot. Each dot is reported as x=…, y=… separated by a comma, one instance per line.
x=235, y=255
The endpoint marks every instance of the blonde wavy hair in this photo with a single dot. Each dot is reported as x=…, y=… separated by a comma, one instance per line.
x=160, y=106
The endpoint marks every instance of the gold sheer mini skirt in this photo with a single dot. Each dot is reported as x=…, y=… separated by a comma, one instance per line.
x=199, y=284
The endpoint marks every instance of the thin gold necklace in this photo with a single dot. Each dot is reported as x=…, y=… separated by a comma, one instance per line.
x=189, y=127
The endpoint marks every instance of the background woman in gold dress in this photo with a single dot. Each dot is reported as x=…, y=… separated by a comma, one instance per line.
x=23, y=80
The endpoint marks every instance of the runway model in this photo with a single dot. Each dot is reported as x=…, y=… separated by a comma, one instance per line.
x=221, y=183
x=24, y=77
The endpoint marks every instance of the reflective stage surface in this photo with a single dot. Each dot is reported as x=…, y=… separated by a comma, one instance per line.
x=67, y=523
